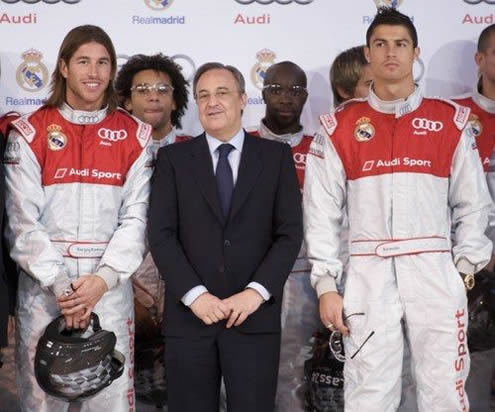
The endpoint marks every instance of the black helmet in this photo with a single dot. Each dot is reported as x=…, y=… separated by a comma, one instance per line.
x=481, y=304
x=70, y=365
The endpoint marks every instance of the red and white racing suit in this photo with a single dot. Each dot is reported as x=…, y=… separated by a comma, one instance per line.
x=405, y=171
x=299, y=306
x=77, y=198
x=149, y=288
x=481, y=124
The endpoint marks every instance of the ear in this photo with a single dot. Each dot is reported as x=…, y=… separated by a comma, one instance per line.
x=478, y=58
x=244, y=100
x=128, y=105
x=367, y=54
x=417, y=51
x=343, y=94
x=63, y=69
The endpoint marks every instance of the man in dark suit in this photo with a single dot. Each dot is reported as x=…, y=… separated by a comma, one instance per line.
x=225, y=227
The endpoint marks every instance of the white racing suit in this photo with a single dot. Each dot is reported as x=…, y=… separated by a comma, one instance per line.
x=299, y=306
x=404, y=171
x=77, y=197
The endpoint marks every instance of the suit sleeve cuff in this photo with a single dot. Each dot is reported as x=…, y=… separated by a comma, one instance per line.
x=193, y=294
x=260, y=289
x=110, y=277
x=325, y=284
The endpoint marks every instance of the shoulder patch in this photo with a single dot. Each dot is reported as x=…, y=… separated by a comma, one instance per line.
x=461, y=114
x=25, y=128
x=329, y=122
x=143, y=132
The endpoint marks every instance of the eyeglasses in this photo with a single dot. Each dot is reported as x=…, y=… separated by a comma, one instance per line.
x=145, y=88
x=278, y=90
x=336, y=343
x=204, y=97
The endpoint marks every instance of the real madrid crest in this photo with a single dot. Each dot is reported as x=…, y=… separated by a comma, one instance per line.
x=56, y=139
x=388, y=3
x=158, y=4
x=364, y=130
x=265, y=60
x=474, y=126
x=32, y=75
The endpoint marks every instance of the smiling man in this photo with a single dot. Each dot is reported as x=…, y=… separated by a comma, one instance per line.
x=407, y=171
x=225, y=228
x=77, y=194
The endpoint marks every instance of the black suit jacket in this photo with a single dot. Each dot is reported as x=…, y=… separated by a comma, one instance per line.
x=192, y=244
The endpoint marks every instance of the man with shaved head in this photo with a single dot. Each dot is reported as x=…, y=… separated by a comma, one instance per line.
x=285, y=94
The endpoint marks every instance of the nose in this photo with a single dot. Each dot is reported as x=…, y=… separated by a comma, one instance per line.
x=92, y=69
x=153, y=95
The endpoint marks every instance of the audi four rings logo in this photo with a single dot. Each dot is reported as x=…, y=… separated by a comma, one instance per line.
x=431, y=125
x=299, y=158
x=479, y=1
x=112, y=135
x=43, y=1
x=186, y=64
x=274, y=1
x=86, y=118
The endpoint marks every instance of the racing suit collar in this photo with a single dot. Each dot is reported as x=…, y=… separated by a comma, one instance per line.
x=81, y=116
x=399, y=107
x=484, y=102
x=167, y=139
x=292, y=139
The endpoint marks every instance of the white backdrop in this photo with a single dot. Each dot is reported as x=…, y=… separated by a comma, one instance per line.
x=308, y=32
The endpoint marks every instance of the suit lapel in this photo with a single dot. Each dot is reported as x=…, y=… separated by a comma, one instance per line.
x=249, y=171
x=203, y=170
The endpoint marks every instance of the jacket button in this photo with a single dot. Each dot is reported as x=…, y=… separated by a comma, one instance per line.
x=226, y=243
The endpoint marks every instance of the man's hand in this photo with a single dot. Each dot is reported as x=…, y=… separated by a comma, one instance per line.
x=331, y=310
x=88, y=290
x=209, y=308
x=75, y=321
x=241, y=305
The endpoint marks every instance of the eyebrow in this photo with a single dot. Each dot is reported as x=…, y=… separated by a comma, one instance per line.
x=404, y=39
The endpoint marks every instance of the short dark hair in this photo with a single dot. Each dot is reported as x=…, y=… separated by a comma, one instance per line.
x=345, y=72
x=485, y=38
x=392, y=17
x=159, y=63
x=241, y=83
x=77, y=37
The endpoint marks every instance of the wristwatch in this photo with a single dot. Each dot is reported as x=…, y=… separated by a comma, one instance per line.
x=468, y=280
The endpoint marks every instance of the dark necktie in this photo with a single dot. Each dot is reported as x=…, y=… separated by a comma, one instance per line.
x=225, y=180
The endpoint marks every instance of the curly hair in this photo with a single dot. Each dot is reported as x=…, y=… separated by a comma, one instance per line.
x=159, y=63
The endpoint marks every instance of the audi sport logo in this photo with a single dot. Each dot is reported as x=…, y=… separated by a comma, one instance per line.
x=426, y=124
x=479, y=1
x=274, y=1
x=112, y=135
x=43, y=1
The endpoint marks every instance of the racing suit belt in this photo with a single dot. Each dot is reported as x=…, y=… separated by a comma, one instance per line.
x=78, y=249
x=397, y=247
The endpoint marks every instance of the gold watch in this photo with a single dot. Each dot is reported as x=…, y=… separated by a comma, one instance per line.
x=468, y=280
